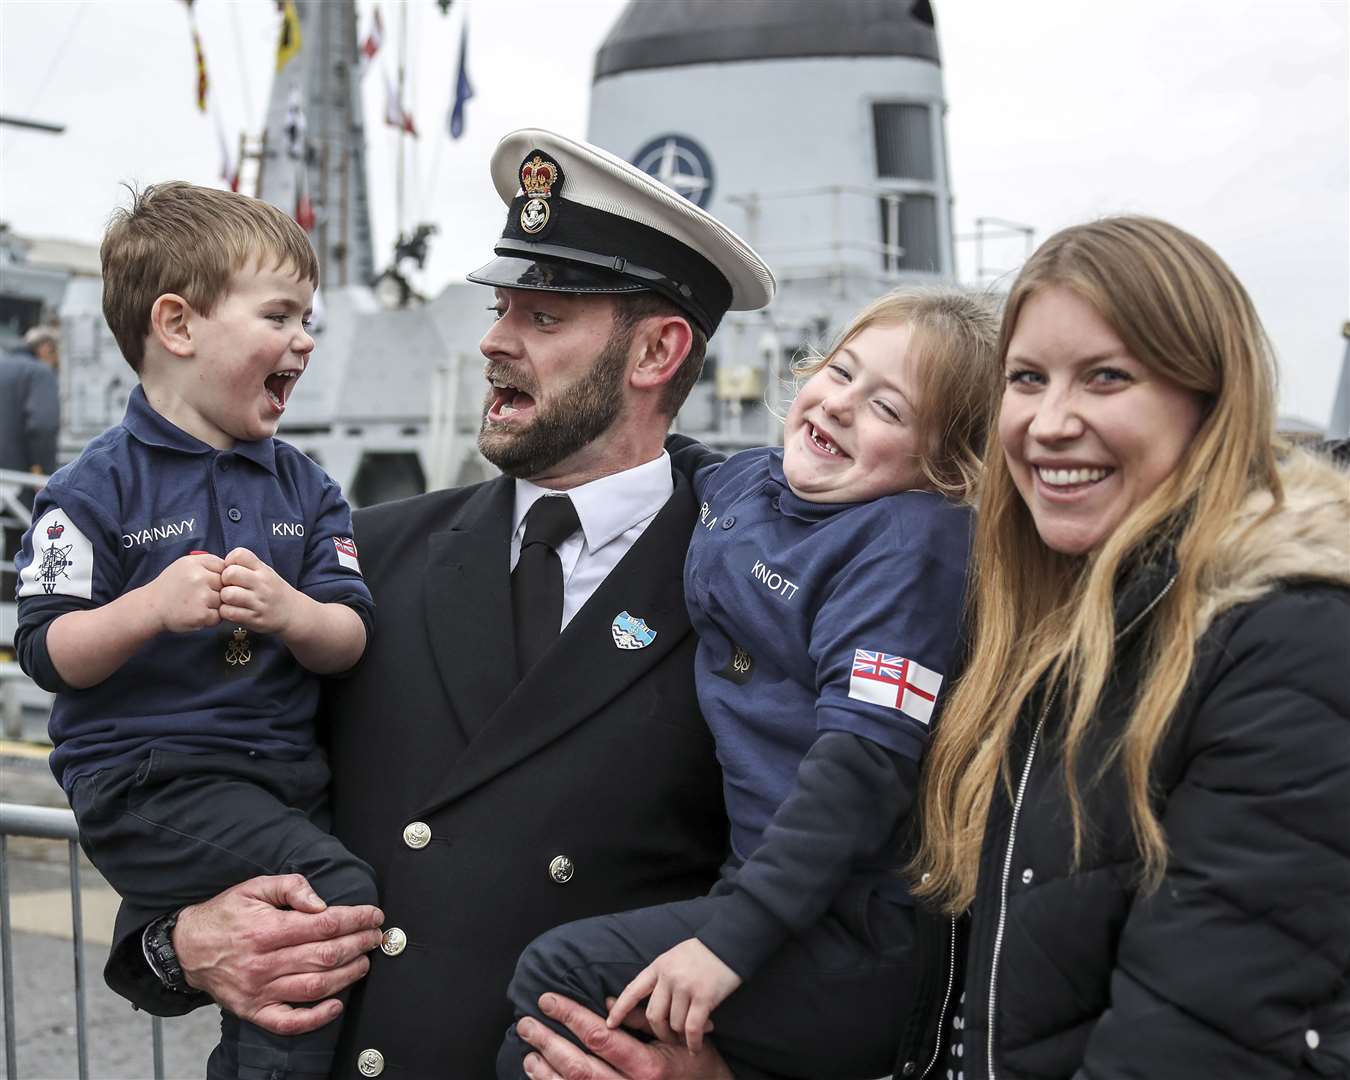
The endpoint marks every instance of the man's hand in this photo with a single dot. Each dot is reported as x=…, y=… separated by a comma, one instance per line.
x=620, y=1056
x=186, y=595
x=255, y=596
x=254, y=957
x=683, y=986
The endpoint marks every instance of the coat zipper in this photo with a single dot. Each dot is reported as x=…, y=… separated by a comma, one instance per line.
x=1012, y=838
x=1007, y=870
x=946, y=1000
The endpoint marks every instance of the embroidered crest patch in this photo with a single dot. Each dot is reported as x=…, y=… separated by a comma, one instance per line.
x=739, y=666
x=63, y=559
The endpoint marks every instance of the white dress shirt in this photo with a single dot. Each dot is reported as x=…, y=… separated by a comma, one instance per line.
x=613, y=510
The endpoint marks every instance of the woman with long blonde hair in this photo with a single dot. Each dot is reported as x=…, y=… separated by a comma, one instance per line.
x=1136, y=811
x=1136, y=808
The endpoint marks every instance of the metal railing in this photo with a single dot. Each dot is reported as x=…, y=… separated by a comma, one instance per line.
x=17, y=692
x=47, y=823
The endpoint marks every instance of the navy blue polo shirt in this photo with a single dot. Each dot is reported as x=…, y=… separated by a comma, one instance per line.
x=816, y=617
x=140, y=496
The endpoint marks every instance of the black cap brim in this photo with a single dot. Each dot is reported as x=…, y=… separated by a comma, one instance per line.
x=551, y=275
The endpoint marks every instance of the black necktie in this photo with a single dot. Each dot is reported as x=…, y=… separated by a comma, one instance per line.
x=536, y=582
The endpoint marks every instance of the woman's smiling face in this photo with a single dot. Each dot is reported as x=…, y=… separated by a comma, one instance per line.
x=1088, y=431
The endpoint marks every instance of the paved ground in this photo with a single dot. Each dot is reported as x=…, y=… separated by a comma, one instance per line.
x=118, y=1038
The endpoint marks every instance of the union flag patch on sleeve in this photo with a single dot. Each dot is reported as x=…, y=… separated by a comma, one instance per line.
x=346, y=552
x=895, y=682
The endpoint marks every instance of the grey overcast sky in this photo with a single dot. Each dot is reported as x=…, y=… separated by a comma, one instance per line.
x=1229, y=117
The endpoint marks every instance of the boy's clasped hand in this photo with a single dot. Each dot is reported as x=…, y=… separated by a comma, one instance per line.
x=201, y=590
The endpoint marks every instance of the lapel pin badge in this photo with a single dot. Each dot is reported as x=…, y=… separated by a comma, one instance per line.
x=631, y=633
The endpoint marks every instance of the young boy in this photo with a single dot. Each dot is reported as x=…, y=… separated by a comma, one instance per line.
x=187, y=578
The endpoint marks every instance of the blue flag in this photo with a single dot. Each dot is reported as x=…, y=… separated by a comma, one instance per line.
x=463, y=88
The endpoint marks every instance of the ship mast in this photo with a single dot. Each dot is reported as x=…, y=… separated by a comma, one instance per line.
x=314, y=142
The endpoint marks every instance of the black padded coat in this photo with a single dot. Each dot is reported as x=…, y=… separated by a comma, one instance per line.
x=1236, y=967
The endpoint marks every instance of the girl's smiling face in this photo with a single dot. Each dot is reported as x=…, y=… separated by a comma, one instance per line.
x=852, y=433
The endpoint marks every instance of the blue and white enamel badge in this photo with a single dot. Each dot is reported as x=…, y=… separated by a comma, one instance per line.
x=631, y=633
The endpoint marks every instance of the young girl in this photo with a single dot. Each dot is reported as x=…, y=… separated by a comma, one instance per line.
x=825, y=581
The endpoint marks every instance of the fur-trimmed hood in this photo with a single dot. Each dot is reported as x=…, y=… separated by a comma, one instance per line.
x=1307, y=539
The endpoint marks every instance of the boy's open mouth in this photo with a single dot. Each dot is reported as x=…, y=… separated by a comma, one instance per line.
x=277, y=387
x=507, y=402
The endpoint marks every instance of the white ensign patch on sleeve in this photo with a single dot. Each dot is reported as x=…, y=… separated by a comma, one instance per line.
x=896, y=682
x=346, y=552
x=63, y=559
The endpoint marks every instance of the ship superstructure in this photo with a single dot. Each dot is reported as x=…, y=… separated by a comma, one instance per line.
x=815, y=129
x=812, y=127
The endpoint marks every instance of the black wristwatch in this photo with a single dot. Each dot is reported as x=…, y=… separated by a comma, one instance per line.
x=157, y=944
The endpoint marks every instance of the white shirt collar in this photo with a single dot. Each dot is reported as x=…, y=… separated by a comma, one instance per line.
x=610, y=506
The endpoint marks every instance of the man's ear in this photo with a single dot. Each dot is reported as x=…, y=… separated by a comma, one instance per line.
x=664, y=342
x=170, y=324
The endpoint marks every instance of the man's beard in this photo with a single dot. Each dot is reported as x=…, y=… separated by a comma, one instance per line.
x=573, y=419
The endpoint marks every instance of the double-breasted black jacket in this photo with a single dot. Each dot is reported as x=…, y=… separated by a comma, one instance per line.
x=590, y=786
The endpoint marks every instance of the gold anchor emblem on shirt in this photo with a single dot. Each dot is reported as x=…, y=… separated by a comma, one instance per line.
x=237, y=650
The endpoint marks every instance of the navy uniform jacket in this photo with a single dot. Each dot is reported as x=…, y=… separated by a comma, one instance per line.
x=140, y=496
x=589, y=787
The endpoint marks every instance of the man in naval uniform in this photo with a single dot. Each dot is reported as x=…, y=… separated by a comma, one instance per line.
x=501, y=776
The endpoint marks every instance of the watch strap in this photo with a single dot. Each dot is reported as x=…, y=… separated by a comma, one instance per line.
x=157, y=944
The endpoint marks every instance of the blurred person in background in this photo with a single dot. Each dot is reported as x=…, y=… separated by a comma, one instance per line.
x=30, y=419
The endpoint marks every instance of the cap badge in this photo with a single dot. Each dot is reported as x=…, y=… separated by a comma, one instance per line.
x=630, y=632
x=540, y=179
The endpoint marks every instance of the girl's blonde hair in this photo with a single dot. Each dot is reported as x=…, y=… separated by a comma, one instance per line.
x=954, y=336
x=1038, y=614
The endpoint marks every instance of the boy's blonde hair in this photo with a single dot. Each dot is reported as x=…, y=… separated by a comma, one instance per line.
x=957, y=384
x=179, y=238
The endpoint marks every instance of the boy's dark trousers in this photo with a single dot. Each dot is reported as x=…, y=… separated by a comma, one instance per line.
x=828, y=1004
x=179, y=828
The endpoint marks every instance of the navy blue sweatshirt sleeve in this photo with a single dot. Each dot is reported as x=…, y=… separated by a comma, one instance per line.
x=697, y=462
x=67, y=562
x=30, y=646
x=849, y=796
x=331, y=573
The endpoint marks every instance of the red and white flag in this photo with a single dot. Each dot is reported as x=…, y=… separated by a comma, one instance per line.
x=346, y=552
x=229, y=170
x=371, y=45
x=395, y=115
x=895, y=682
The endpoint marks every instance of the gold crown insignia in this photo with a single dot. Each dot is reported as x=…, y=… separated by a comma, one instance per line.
x=538, y=176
